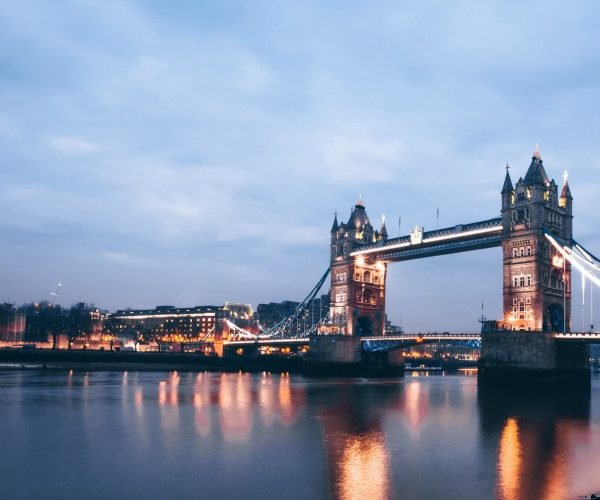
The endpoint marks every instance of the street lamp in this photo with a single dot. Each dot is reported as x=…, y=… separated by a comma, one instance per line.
x=564, y=295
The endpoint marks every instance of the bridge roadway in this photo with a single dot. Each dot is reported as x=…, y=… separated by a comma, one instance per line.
x=413, y=339
x=406, y=339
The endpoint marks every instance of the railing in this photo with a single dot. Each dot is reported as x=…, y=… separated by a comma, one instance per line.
x=425, y=336
x=584, y=336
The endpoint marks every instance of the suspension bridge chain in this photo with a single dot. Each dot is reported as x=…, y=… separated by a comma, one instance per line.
x=581, y=259
x=284, y=329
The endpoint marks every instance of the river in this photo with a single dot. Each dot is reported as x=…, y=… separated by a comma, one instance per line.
x=112, y=435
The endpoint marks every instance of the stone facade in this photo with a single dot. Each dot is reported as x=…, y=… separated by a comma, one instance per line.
x=536, y=281
x=357, y=300
x=531, y=358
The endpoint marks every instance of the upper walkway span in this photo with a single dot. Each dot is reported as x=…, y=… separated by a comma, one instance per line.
x=419, y=244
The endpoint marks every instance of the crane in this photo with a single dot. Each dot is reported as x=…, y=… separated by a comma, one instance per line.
x=55, y=294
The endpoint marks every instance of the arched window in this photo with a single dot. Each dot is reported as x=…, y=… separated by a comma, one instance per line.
x=367, y=277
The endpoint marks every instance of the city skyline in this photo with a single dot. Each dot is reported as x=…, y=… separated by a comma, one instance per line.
x=197, y=154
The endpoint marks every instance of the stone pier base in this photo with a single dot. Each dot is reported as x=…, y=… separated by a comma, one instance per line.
x=342, y=355
x=532, y=358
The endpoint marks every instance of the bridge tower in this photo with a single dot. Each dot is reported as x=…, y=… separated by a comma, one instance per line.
x=357, y=283
x=536, y=280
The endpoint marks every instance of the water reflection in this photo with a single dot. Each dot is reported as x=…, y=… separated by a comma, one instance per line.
x=235, y=410
x=415, y=405
x=539, y=436
x=509, y=460
x=280, y=435
x=364, y=468
x=358, y=457
x=202, y=404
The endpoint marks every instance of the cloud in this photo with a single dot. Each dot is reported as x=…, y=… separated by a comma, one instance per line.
x=73, y=146
x=211, y=143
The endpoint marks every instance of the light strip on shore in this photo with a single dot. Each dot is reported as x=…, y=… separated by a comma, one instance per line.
x=150, y=316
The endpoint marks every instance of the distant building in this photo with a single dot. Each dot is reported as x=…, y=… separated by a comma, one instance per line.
x=392, y=329
x=188, y=322
x=12, y=324
x=272, y=313
x=239, y=311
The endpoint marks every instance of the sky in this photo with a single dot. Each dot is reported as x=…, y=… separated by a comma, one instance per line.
x=189, y=153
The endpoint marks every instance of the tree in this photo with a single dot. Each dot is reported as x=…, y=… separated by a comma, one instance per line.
x=79, y=322
x=44, y=319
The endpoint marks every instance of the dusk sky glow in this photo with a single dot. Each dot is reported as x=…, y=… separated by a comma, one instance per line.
x=189, y=154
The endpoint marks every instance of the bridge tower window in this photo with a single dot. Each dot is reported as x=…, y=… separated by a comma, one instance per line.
x=521, y=280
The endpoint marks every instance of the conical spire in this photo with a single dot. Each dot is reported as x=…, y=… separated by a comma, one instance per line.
x=536, y=174
x=335, y=225
x=508, y=185
x=358, y=217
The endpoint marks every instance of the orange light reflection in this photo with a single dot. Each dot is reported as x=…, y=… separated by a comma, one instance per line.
x=509, y=461
x=364, y=468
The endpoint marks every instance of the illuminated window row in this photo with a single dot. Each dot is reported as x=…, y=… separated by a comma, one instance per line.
x=366, y=277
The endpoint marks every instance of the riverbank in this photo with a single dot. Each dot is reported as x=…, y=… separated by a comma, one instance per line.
x=111, y=360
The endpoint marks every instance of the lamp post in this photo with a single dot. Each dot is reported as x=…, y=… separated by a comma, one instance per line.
x=564, y=295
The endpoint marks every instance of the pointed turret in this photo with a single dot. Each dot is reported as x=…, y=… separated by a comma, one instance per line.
x=566, y=198
x=335, y=225
x=383, y=231
x=536, y=174
x=508, y=185
x=566, y=191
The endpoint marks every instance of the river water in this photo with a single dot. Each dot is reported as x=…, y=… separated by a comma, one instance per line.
x=112, y=435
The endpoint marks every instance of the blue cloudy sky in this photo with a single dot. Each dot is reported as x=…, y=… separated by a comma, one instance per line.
x=194, y=152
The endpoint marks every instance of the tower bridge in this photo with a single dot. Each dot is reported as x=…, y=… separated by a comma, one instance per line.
x=532, y=339
x=535, y=233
